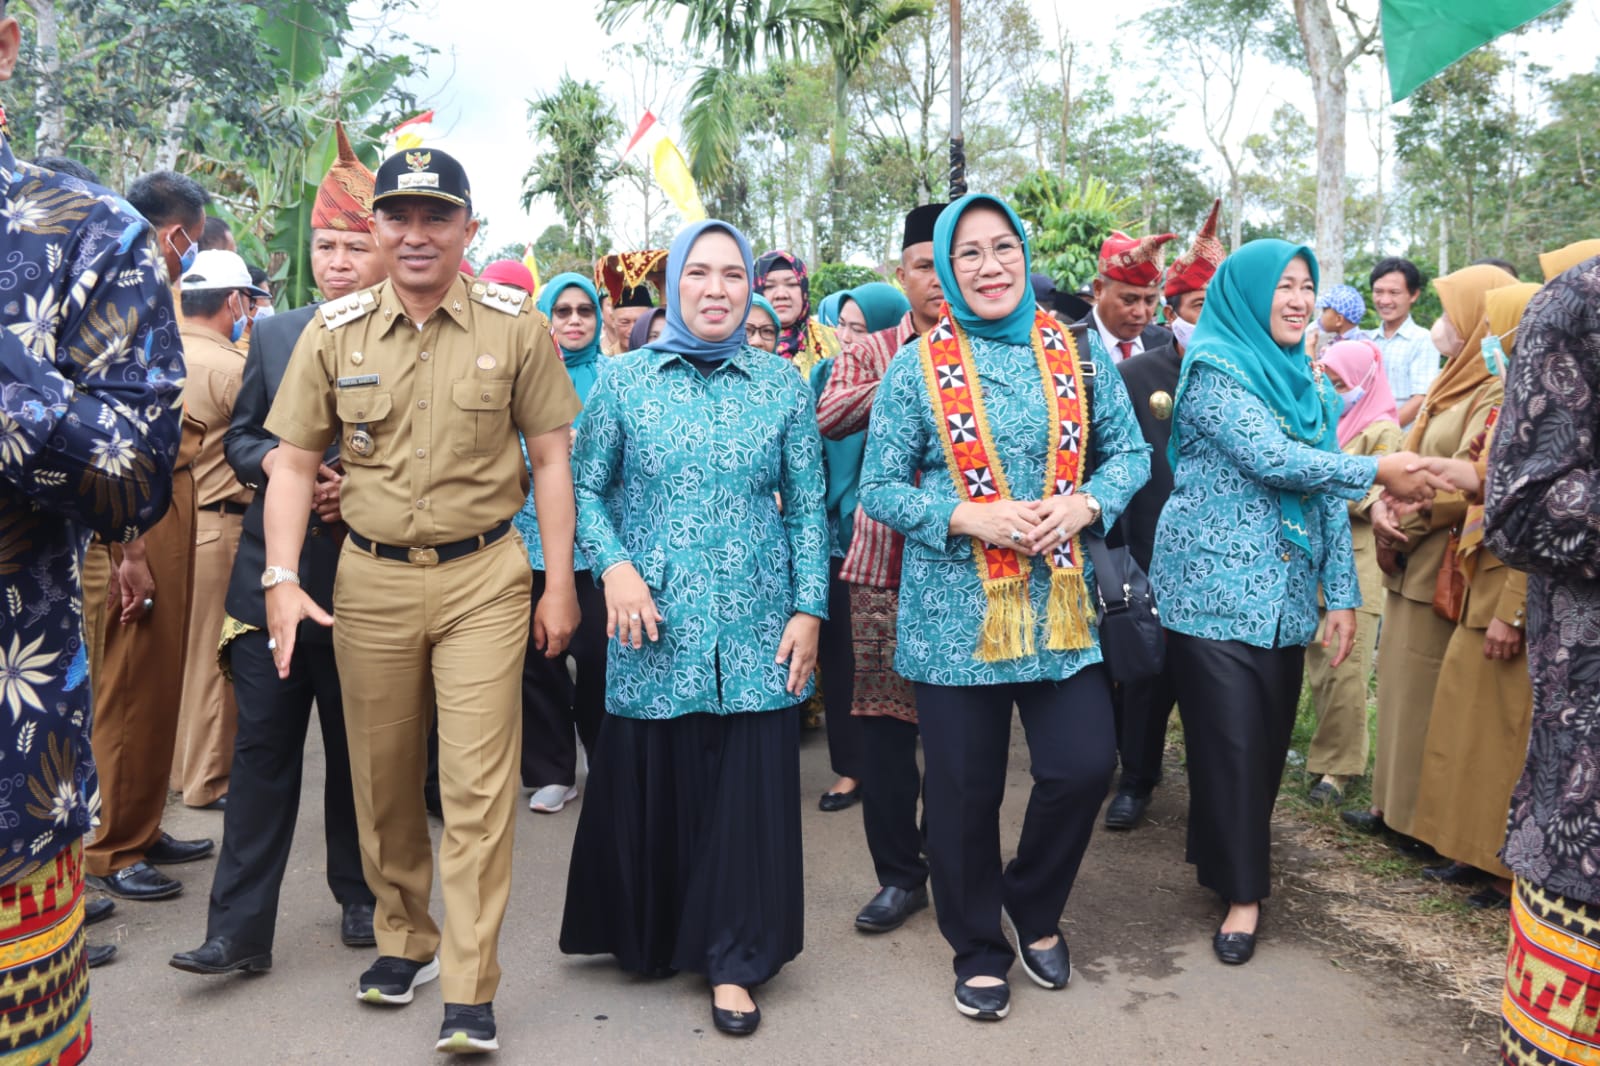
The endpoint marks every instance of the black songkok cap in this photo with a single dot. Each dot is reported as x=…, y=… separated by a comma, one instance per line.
x=636, y=296
x=422, y=172
x=919, y=224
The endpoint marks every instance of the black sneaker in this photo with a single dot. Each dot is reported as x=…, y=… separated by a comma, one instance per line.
x=393, y=979
x=468, y=1029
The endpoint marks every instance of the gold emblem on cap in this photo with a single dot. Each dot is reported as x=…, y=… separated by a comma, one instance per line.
x=485, y=362
x=419, y=160
x=1161, y=405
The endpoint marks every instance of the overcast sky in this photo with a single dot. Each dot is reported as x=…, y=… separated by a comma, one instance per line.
x=496, y=54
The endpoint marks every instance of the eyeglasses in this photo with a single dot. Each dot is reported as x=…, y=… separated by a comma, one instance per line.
x=764, y=333
x=564, y=311
x=969, y=258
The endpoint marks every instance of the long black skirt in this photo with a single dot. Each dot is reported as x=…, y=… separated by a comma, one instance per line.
x=688, y=853
x=1238, y=706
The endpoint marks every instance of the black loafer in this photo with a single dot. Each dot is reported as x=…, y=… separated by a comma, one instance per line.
x=1454, y=873
x=99, y=954
x=223, y=954
x=734, y=1022
x=218, y=804
x=1364, y=821
x=1235, y=949
x=839, y=801
x=1048, y=967
x=1412, y=848
x=355, y=926
x=890, y=908
x=139, y=881
x=1126, y=809
x=98, y=909
x=170, y=851
x=1489, y=899
x=985, y=1004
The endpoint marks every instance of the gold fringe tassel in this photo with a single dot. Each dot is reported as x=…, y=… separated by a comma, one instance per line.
x=1008, y=621
x=1068, y=612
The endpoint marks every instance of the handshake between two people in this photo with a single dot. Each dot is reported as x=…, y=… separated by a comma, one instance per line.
x=1412, y=489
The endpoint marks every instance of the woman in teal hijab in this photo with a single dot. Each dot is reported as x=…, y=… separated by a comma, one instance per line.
x=552, y=706
x=1257, y=522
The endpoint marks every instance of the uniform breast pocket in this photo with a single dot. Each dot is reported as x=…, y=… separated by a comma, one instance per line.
x=367, y=429
x=482, y=423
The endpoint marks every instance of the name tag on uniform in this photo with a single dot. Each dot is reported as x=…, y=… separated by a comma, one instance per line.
x=357, y=382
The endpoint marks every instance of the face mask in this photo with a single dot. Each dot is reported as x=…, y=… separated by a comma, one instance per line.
x=1351, y=397
x=186, y=260
x=1182, y=329
x=263, y=312
x=238, y=329
x=1494, y=356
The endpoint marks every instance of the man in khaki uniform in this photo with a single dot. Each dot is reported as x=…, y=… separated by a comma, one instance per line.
x=217, y=298
x=426, y=380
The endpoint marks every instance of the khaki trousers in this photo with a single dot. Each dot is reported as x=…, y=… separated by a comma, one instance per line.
x=136, y=673
x=1339, y=697
x=208, y=717
x=408, y=638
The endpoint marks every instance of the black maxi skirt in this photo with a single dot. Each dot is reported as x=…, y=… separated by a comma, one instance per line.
x=688, y=852
x=1238, y=706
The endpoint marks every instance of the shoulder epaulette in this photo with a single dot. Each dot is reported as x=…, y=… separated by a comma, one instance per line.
x=506, y=299
x=347, y=309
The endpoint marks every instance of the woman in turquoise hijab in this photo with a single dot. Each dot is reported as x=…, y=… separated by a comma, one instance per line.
x=982, y=453
x=1256, y=523
x=553, y=707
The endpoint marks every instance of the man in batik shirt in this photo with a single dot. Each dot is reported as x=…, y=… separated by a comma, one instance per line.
x=90, y=377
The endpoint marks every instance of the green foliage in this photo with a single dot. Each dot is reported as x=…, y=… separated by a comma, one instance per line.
x=575, y=124
x=1068, y=225
x=830, y=278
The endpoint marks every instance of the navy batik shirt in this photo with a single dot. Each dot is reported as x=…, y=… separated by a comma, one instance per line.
x=91, y=373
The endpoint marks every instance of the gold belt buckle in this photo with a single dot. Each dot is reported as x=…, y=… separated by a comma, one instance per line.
x=422, y=557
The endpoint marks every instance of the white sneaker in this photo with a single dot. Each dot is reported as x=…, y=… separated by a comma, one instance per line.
x=551, y=798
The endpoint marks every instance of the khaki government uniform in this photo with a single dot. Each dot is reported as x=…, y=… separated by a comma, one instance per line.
x=1482, y=711
x=1411, y=648
x=1340, y=695
x=427, y=422
x=208, y=717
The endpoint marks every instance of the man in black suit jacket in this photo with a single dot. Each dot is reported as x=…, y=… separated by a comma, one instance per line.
x=1127, y=292
x=264, y=791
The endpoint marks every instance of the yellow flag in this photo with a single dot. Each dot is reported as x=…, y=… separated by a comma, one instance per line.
x=531, y=261
x=672, y=174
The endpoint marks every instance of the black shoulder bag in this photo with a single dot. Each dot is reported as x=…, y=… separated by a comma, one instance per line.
x=1132, y=642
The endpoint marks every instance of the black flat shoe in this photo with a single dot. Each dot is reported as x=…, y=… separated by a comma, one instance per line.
x=734, y=1022
x=1489, y=899
x=169, y=851
x=1412, y=848
x=1048, y=968
x=218, y=804
x=839, y=801
x=1235, y=949
x=985, y=1004
x=1126, y=809
x=1454, y=873
x=1364, y=821
x=355, y=926
x=99, y=954
x=139, y=881
x=889, y=909
x=223, y=954
x=98, y=909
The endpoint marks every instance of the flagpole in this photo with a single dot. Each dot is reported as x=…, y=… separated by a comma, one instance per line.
x=958, y=149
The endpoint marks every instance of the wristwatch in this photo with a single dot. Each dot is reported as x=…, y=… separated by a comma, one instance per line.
x=1093, y=505
x=273, y=576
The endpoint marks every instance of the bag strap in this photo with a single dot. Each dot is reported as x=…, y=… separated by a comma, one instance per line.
x=1113, y=593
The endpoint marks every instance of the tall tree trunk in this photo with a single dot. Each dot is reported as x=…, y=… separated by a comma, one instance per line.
x=1326, y=61
x=833, y=250
x=51, y=136
x=1444, y=244
x=172, y=135
x=1235, y=206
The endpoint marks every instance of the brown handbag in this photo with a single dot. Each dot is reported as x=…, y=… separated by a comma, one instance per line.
x=1450, y=587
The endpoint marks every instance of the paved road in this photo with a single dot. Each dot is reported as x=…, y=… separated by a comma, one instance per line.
x=1146, y=987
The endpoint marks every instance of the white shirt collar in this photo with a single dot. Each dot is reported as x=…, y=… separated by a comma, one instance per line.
x=1111, y=340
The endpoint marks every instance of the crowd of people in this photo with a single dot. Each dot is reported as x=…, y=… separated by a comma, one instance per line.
x=646, y=526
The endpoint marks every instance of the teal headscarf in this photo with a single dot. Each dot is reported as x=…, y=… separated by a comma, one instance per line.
x=758, y=300
x=828, y=308
x=1015, y=328
x=882, y=305
x=1234, y=336
x=581, y=364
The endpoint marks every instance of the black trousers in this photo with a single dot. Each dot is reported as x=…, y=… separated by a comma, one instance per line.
x=264, y=789
x=1238, y=705
x=891, y=784
x=552, y=705
x=1143, y=709
x=966, y=737
x=836, y=660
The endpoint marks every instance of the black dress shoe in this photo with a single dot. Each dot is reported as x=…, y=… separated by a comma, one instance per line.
x=1235, y=949
x=734, y=1022
x=98, y=909
x=139, y=881
x=223, y=954
x=890, y=908
x=1412, y=848
x=1049, y=967
x=985, y=1004
x=1365, y=821
x=218, y=804
x=839, y=801
x=1126, y=809
x=355, y=926
x=169, y=851
x=1454, y=873
x=99, y=954
x=1489, y=899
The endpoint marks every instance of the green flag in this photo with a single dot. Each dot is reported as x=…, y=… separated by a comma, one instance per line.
x=1422, y=37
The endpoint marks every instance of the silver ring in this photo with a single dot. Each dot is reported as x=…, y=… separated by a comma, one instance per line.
x=633, y=616
x=1016, y=537
x=272, y=643
x=149, y=604
x=1061, y=531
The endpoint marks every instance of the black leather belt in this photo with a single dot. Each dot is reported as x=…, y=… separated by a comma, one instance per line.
x=432, y=556
x=225, y=507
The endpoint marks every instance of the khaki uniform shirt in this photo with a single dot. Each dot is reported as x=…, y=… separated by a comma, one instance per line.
x=215, y=369
x=426, y=418
x=1377, y=439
